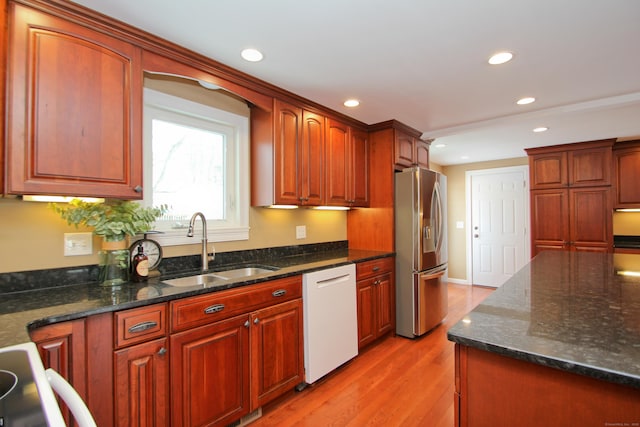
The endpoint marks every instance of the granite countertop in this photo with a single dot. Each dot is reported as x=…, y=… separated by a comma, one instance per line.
x=567, y=310
x=22, y=311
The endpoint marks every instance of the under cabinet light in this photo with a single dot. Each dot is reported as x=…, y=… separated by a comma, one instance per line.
x=331, y=208
x=282, y=207
x=59, y=199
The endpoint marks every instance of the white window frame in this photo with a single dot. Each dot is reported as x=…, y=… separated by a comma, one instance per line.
x=216, y=231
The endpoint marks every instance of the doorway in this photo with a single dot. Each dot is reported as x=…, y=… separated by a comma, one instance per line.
x=498, y=220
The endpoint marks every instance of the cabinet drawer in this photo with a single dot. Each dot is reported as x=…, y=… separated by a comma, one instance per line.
x=140, y=324
x=200, y=310
x=373, y=268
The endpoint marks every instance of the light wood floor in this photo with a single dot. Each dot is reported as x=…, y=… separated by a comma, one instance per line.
x=397, y=382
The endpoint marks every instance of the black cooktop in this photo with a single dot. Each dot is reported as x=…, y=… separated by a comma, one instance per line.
x=19, y=398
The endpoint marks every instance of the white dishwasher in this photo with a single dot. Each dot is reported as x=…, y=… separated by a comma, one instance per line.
x=330, y=320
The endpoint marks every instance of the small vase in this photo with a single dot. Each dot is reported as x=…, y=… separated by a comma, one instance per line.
x=114, y=263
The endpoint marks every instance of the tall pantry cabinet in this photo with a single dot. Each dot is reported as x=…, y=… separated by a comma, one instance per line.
x=571, y=197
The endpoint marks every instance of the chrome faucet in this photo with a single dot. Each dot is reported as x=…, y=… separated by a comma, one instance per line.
x=205, y=251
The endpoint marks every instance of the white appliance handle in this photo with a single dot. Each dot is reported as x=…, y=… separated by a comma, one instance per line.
x=71, y=397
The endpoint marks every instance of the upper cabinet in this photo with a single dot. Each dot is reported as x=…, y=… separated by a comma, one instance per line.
x=626, y=156
x=75, y=109
x=287, y=155
x=347, y=170
x=410, y=150
x=303, y=158
x=571, y=165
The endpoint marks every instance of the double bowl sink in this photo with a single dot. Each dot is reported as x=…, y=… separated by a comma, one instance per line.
x=220, y=277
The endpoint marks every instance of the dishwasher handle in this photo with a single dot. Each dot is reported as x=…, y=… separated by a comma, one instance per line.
x=332, y=280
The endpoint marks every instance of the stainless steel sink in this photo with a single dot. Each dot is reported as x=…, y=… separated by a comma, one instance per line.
x=219, y=277
x=237, y=273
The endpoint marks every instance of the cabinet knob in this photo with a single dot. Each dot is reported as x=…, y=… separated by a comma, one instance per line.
x=162, y=351
x=246, y=324
x=256, y=321
x=137, y=189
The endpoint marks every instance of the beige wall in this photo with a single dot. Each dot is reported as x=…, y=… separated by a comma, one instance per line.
x=31, y=235
x=457, y=210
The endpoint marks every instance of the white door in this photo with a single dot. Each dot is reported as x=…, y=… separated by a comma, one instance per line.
x=499, y=222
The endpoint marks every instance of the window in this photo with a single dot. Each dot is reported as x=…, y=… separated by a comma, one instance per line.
x=195, y=160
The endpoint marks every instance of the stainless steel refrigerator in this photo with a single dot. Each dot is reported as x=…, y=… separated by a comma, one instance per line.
x=421, y=250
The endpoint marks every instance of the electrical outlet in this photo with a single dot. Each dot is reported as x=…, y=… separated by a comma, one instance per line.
x=78, y=244
x=301, y=231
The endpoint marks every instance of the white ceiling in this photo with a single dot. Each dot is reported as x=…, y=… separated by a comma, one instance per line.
x=423, y=62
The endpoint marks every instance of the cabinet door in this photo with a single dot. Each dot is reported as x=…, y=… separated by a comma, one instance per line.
x=75, y=97
x=359, y=169
x=590, y=223
x=287, y=143
x=549, y=220
x=277, y=358
x=338, y=168
x=385, y=304
x=589, y=167
x=312, y=159
x=627, y=172
x=366, y=312
x=142, y=384
x=210, y=373
x=61, y=347
x=548, y=170
x=422, y=153
x=404, y=150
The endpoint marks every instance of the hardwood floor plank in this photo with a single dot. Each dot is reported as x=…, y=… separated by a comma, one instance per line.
x=396, y=382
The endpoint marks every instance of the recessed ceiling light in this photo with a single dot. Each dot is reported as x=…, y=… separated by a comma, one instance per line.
x=464, y=157
x=541, y=129
x=440, y=145
x=208, y=85
x=351, y=103
x=252, y=55
x=500, y=58
x=525, y=101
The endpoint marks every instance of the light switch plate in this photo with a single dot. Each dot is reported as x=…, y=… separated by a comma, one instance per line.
x=301, y=231
x=78, y=244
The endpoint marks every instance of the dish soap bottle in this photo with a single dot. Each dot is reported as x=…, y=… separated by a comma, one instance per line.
x=140, y=266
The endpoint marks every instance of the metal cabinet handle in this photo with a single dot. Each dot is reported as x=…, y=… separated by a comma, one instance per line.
x=246, y=324
x=141, y=327
x=256, y=321
x=162, y=351
x=279, y=293
x=137, y=189
x=376, y=268
x=215, y=308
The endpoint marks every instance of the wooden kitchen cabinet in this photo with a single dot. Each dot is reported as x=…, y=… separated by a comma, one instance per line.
x=577, y=219
x=347, y=165
x=287, y=156
x=234, y=350
x=142, y=384
x=584, y=164
x=141, y=363
x=72, y=89
x=277, y=357
x=376, y=299
x=210, y=373
x=571, y=197
x=409, y=149
x=62, y=348
x=626, y=165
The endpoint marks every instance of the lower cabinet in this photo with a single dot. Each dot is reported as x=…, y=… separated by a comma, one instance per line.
x=202, y=360
x=141, y=384
x=210, y=373
x=376, y=299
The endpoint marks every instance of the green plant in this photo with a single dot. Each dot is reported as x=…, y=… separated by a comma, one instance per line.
x=113, y=220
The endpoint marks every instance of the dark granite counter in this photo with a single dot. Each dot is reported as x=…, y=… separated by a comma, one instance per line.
x=572, y=311
x=21, y=311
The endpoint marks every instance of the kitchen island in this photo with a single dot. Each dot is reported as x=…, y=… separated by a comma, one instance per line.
x=557, y=344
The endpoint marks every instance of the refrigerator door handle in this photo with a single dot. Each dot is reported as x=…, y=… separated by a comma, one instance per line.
x=432, y=275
